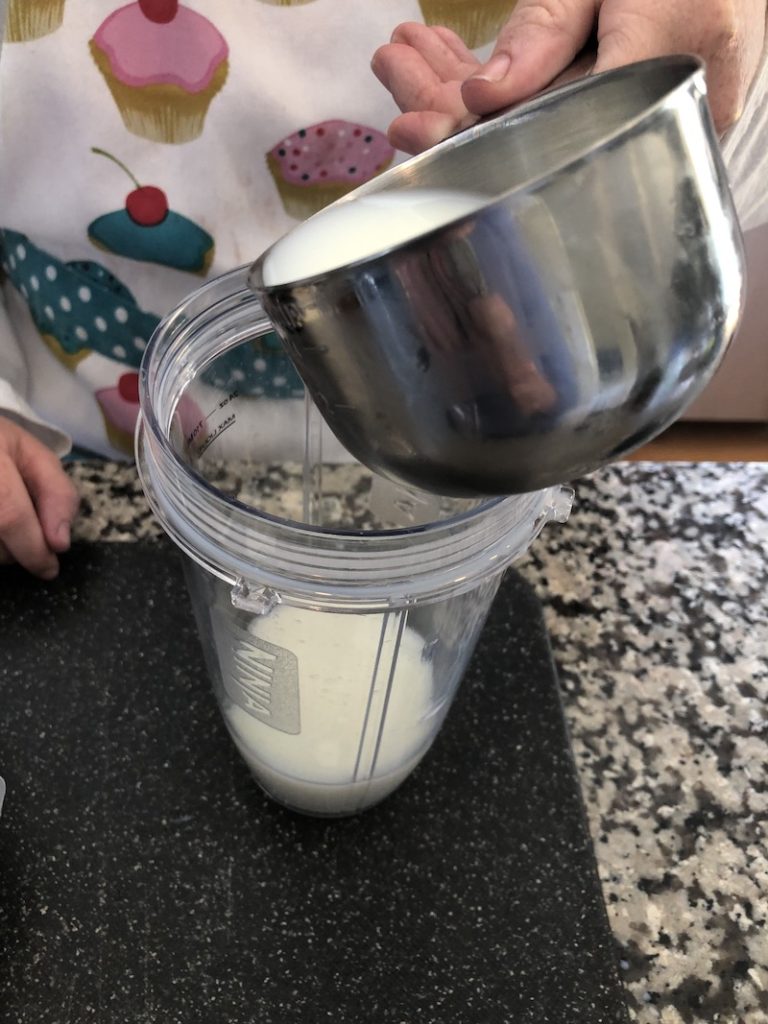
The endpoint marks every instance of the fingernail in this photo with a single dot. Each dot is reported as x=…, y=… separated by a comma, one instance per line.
x=50, y=573
x=63, y=533
x=496, y=69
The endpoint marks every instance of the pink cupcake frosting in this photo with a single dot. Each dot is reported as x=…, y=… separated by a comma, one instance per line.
x=119, y=408
x=332, y=152
x=120, y=405
x=185, y=50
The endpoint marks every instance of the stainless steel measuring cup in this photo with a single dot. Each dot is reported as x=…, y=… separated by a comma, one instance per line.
x=566, y=322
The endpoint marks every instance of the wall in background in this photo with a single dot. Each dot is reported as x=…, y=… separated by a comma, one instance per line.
x=739, y=389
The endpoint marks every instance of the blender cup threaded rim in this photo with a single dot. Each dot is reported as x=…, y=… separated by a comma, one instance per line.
x=239, y=542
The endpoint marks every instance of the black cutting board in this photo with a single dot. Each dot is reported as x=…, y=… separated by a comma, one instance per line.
x=144, y=877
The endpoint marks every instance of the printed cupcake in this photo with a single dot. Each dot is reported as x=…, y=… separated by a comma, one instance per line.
x=477, y=21
x=78, y=307
x=32, y=19
x=163, y=63
x=119, y=406
x=256, y=369
x=146, y=229
x=320, y=164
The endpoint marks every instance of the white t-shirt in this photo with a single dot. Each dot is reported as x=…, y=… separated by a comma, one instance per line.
x=146, y=147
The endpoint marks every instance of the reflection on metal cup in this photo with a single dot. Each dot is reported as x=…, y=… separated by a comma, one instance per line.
x=569, y=319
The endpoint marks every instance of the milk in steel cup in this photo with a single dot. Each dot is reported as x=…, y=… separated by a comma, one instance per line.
x=359, y=228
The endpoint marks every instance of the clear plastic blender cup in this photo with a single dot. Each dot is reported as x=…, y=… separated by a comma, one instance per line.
x=337, y=611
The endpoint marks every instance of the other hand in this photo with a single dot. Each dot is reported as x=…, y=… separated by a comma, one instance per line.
x=441, y=86
x=37, y=502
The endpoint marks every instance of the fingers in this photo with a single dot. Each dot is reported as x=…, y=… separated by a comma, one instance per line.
x=418, y=130
x=37, y=502
x=52, y=492
x=423, y=72
x=538, y=42
x=459, y=47
x=414, y=84
x=440, y=87
x=20, y=531
x=423, y=69
x=440, y=48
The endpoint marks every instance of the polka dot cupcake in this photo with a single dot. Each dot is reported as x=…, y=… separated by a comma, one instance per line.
x=79, y=307
x=257, y=369
x=318, y=165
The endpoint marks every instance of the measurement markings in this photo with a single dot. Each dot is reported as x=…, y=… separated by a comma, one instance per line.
x=224, y=425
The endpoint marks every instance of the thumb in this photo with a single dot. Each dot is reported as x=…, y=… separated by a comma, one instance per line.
x=538, y=42
x=52, y=492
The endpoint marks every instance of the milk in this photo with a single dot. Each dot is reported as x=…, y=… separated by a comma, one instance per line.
x=359, y=228
x=366, y=709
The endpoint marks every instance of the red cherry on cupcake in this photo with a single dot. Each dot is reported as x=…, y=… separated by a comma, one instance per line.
x=159, y=11
x=146, y=205
x=128, y=387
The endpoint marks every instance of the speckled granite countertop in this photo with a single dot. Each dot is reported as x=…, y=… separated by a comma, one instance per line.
x=656, y=596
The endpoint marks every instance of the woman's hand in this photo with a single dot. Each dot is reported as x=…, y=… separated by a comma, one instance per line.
x=37, y=502
x=441, y=87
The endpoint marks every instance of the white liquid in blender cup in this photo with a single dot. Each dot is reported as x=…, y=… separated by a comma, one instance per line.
x=360, y=228
x=357, y=739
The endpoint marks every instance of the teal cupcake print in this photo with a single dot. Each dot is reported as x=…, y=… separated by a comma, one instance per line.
x=146, y=229
x=79, y=306
x=258, y=368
